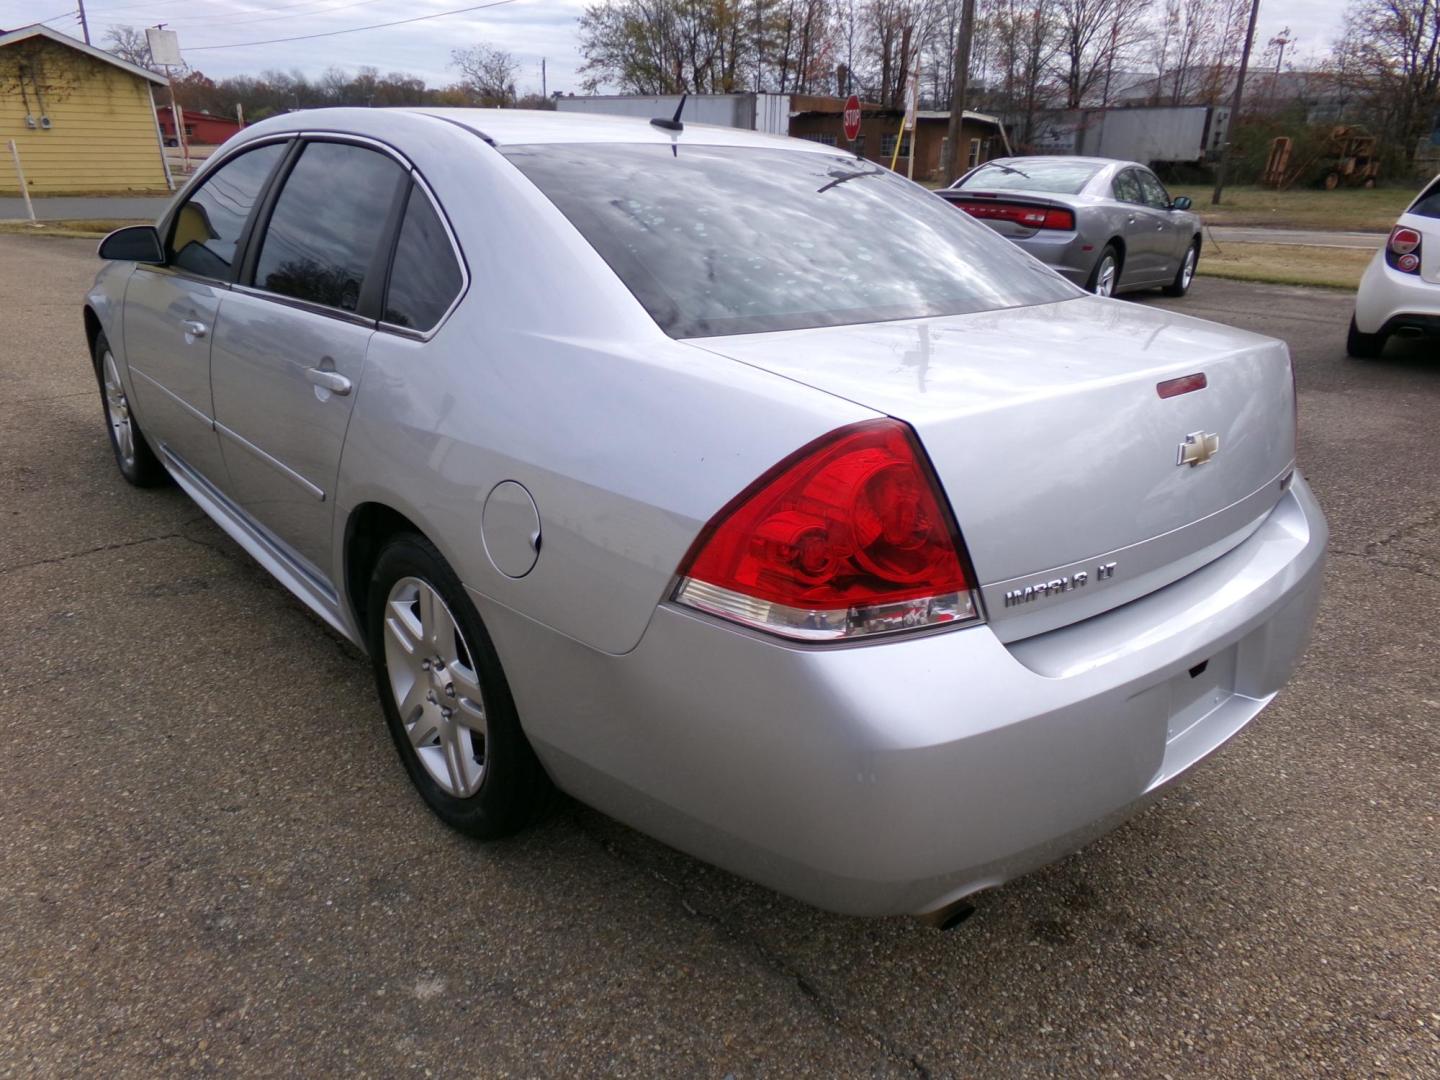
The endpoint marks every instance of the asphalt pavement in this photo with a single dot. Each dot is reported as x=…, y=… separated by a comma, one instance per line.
x=211, y=861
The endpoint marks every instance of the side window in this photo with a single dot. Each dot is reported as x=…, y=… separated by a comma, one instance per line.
x=425, y=278
x=1127, y=187
x=1428, y=204
x=327, y=222
x=1155, y=193
x=207, y=227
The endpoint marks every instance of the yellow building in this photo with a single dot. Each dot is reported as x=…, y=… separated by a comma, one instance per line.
x=83, y=120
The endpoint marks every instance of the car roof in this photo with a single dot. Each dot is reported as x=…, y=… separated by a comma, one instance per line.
x=528, y=127
x=1101, y=162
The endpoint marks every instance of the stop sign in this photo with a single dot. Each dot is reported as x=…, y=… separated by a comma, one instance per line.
x=852, y=118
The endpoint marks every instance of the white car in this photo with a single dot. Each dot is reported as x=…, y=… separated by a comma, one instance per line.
x=1400, y=292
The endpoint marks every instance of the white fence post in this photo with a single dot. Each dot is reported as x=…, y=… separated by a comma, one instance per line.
x=20, y=175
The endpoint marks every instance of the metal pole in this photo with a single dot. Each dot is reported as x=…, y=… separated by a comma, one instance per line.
x=84, y=22
x=20, y=175
x=912, y=113
x=959, y=88
x=179, y=122
x=1235, y=104
x=544, y=88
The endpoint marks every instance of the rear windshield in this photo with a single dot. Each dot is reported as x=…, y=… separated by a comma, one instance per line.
x=1428, y=204
x=1031, y=174
x=731, y=240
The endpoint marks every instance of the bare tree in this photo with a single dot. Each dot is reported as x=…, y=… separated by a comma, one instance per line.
x=1091, y=36
x=489, y=74
x=1391, y=53
x=129, y=44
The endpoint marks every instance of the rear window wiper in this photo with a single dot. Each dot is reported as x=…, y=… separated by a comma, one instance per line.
x=841, y=177
x=1007, y=168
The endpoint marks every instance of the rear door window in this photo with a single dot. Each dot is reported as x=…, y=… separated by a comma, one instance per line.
x=323, y=235
x=207, y=226
x=425, y=277
x=1428, y=204
x=1127, y=187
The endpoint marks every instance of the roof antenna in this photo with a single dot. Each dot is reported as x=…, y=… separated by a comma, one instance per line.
x=673, y=124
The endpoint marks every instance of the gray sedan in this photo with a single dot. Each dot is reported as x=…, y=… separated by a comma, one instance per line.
x=1107, y=225
x=732, y=485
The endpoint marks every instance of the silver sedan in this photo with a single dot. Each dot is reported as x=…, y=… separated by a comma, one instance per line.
x=737, y=487
x=1109, y=226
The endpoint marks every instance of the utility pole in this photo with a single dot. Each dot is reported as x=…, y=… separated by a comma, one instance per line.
x=544, y=89
x=959, y=90
x=84, y=22
x=1282, y=39
x=1235, y=104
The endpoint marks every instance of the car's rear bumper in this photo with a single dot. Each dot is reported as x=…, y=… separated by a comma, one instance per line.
x=1391, y=302
x=898, y=777
x=1066, y=253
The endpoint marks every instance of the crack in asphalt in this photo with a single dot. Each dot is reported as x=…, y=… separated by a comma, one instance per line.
x=52, y=397
x=119, y=545
x=1405, y=531
x=818, y=1000
x=1388, y=564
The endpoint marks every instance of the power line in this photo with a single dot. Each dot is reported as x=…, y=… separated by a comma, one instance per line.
x=151, y=4
x=332, y=9
x=352, y=30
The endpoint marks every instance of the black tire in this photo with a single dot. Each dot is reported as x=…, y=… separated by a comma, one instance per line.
x=1186, y=274
x=1363, y=346
x=1111, y=254
x=140, y=466
x=513, y=788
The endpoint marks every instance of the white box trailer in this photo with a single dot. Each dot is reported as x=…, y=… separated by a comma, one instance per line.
x=1171, y=134
x=751, y=112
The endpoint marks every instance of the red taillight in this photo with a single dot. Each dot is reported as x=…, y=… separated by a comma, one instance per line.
x=1402, y=250
x=1403, y=241
x=1032, y=217
x=847, y=537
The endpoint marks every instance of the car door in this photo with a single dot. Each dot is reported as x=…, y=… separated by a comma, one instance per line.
x=1141, y=229
x=291, y=342
x=171, y=310
x=1170, y=244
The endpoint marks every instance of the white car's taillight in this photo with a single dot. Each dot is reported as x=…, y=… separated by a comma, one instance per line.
x=847, y=538
x=1402, y=250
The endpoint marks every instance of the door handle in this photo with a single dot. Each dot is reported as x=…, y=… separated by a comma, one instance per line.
x=329, y=380
x=195, y=328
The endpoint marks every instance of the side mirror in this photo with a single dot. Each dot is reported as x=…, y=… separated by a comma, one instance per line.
x=134, y=243
x=1181, y=203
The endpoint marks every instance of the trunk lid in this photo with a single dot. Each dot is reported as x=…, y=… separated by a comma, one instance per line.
x=1058, y=454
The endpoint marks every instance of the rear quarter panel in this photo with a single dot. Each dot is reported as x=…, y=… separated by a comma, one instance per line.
x=549, y=373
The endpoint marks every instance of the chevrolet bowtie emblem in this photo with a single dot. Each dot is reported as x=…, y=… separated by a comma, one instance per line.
x=1198, y=448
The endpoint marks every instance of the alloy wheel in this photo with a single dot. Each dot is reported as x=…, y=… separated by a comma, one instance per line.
x=1105, y=279
x=117, y=410
x=1187, y=272
x=436, y=686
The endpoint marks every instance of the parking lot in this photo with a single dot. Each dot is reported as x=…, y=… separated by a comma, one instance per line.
x=211, y=861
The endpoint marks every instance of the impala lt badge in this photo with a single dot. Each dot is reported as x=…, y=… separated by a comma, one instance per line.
x=1056, y=586
x=1198, y=448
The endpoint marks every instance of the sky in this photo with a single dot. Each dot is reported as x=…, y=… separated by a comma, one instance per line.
x=528, y=29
